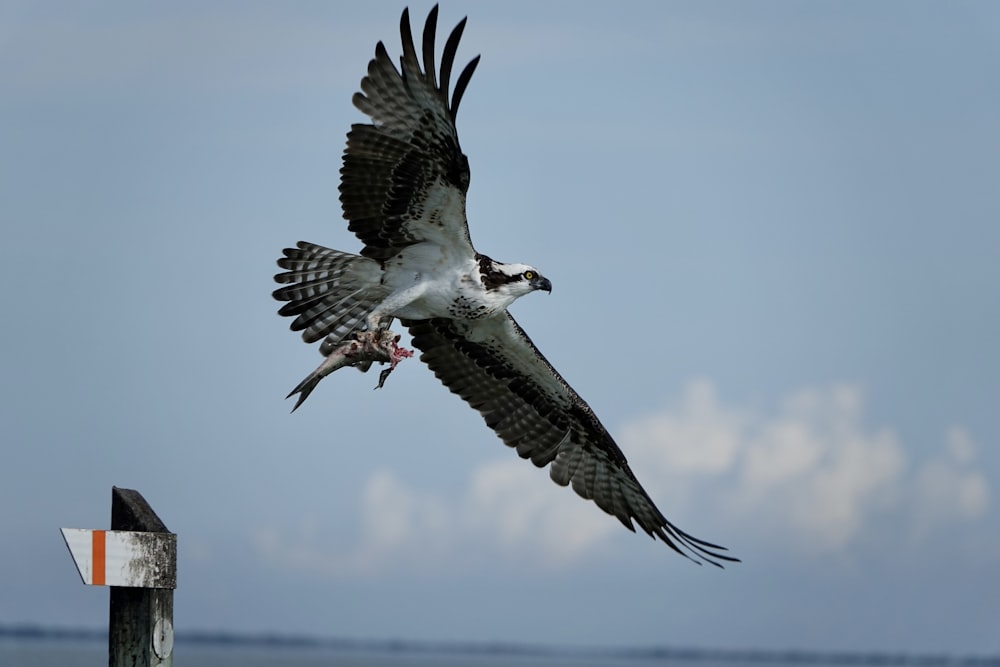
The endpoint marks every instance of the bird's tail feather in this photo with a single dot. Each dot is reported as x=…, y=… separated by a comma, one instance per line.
x=330, y=293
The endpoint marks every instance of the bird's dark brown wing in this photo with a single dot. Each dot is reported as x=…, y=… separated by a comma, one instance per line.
x=493, y=365
x=404, y=177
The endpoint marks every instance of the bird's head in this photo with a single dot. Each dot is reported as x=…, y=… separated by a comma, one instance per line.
x=513, y=280
x=525, y=279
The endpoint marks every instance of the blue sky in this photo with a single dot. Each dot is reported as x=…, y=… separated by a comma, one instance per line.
x=772, y=233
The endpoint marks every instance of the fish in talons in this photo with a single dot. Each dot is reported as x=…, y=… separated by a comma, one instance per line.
x=360, y=350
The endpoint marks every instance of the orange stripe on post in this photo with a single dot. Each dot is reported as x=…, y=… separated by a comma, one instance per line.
x=99, y=551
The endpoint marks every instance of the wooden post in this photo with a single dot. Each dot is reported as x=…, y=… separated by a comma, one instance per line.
x=141, y=623
x=137, y=558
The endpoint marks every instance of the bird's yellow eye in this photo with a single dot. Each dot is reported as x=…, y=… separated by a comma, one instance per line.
x=528, y=275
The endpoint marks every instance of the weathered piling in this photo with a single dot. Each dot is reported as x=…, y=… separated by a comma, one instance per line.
x=137, y=559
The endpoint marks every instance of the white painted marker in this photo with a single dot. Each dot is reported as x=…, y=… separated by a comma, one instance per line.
x=123, y=558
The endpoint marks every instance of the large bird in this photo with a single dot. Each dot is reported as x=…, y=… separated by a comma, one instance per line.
x=403, y=187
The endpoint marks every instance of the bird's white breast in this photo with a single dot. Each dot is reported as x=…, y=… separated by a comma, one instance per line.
x=430, y=282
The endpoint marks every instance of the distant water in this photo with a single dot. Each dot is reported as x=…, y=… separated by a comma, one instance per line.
x=22, y=651
x=15, y=653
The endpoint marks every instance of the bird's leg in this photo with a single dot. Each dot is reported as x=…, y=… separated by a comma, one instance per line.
x=381, y=317
x=382, y=345
x=376, y=322
x=379, y=345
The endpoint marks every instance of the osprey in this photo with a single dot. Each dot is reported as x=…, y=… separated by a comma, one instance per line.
x=403, y=186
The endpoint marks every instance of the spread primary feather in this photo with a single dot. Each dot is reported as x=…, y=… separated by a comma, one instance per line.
x=403, y=190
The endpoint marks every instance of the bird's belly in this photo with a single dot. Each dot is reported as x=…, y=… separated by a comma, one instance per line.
x=422, y=309
x=441, y=289
x=447, y=304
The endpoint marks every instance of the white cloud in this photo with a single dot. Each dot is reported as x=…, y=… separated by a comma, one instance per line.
x=813, y=471
x=397, y=524
x=811, y=476
x=508, y=506
x=524, y=512
x=713, y=435
x=950, y=488
x=960, y=446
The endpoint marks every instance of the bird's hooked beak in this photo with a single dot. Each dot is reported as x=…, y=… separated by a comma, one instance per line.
x=541, y=283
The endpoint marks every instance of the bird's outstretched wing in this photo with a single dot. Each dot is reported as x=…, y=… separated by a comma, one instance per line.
x=404, y=177
x=493, y=365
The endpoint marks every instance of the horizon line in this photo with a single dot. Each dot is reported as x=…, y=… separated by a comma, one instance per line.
x=274, y=640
